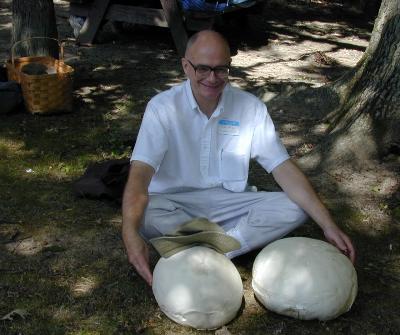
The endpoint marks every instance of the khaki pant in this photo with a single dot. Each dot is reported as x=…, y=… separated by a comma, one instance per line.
x=253, y=218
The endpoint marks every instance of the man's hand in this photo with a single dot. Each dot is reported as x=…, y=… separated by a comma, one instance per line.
x=138, y=255
x=341, y=241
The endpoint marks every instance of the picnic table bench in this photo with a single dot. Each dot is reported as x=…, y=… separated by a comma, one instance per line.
x=169, y=15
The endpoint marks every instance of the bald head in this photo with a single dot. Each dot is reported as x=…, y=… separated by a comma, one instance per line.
x=207, y=39
x=206, y=64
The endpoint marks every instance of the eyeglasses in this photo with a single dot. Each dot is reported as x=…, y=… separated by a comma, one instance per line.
x=203, y=71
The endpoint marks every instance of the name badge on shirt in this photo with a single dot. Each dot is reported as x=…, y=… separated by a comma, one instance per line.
x=228, y=127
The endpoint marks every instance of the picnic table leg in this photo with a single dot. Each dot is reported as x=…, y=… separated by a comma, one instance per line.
x=175, y=23
x=92, y=23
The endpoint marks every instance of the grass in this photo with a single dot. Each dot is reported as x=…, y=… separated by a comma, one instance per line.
x=62, y=258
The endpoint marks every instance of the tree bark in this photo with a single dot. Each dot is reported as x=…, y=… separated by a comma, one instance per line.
x=34, y=18
x=367, y=123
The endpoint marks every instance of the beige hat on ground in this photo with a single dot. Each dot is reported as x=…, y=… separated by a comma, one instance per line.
x=198, y=231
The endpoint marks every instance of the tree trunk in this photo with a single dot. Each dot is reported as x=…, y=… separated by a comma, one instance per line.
x=367, y=123
x=34, y=18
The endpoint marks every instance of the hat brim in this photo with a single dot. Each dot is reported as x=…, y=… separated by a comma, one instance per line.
x=170, y=245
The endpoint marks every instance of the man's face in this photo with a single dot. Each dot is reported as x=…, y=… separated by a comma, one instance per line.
x=207, y=87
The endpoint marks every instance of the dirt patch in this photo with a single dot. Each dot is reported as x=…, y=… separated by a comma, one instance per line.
x=62, y=258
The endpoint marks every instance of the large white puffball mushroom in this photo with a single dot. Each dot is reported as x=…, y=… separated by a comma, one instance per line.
x=198, y=287
x=304, y=278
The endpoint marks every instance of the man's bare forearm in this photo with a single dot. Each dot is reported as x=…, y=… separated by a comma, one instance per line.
x=133, y=208
x=134, y=205
x=298, y=188
x=136, y=197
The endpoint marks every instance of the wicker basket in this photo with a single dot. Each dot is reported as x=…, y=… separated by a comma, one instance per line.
x=43, y=93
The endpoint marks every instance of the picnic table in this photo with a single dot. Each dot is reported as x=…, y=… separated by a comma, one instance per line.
x=169, y=15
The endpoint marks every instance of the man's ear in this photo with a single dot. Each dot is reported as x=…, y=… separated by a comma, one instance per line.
x=184, y=65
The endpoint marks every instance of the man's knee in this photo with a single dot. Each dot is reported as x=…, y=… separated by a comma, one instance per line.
x=162, y=216
x=280, y=209
x=296, y=215
x=267, y=223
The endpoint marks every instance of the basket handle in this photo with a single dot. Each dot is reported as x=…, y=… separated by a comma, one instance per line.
x=60, y=46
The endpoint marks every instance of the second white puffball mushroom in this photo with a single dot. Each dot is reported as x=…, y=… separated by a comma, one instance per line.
x=304, y=278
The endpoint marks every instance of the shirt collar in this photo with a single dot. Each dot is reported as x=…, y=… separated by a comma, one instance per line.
x=193, y=103
x=189, y=94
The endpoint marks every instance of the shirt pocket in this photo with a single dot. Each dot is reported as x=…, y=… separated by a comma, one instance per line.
x=233, y=166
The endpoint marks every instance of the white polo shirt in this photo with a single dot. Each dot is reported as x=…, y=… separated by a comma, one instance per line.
x=189, y=151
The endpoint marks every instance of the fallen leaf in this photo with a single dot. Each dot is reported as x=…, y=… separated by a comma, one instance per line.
x=16, y=312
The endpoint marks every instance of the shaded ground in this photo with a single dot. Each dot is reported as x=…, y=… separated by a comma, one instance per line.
x=62, y=259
